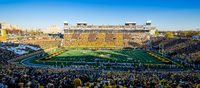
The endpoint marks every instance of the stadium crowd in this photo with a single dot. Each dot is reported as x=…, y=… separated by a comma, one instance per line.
x=10, y=50
x=186, y=50
x=20, y=47
x=103, y=39
x=12, y=76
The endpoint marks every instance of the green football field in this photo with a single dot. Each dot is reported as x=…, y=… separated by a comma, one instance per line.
x=94, y=57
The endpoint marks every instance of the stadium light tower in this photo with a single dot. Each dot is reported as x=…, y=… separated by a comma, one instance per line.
x=81, y=24
x=148, y=23
x=131, y=24
x=65, y=24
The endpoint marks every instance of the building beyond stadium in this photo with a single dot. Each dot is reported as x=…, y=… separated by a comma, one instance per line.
x=2, y=34
x=107, y=36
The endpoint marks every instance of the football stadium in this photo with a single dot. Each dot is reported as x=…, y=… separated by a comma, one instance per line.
x=103, y=47
x=100, y=56
x=38, y=49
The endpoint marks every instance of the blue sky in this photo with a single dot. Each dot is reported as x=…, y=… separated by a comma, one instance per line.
x=165, y=14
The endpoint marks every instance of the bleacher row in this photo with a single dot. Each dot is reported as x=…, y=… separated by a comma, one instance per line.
x=105, y=39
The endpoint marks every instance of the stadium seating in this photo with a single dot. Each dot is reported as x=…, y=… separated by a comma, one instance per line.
x=187, y=49
x=92, y=37
x=13, y=50
x=104, y=39
x=21, y=77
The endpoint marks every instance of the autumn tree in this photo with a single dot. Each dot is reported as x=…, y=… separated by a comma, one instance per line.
x=169, y=35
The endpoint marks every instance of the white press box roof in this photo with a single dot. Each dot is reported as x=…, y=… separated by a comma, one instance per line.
x=65, y=22
x=128, y=22
x=149, y=21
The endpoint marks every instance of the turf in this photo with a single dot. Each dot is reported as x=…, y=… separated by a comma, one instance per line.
x=90, y=57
